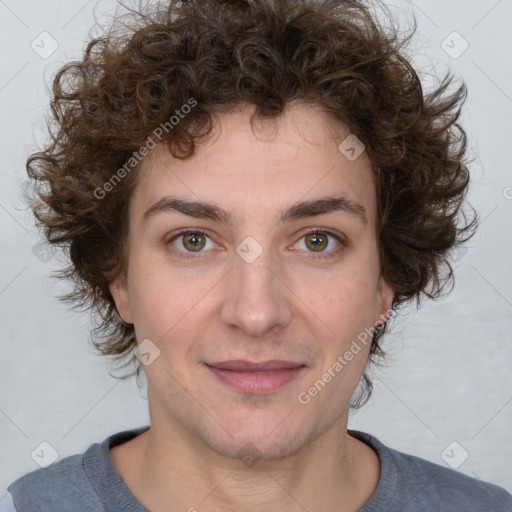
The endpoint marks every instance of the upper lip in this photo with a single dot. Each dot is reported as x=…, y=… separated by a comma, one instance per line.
x=262, y=366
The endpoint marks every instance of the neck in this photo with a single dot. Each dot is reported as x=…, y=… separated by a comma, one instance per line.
x=169, y=465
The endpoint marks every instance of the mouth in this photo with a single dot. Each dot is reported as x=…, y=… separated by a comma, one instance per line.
x=257, y=378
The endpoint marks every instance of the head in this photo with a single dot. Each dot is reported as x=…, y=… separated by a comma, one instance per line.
x=246, y=106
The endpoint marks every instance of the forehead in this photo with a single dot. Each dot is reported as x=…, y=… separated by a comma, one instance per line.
x=263, y=170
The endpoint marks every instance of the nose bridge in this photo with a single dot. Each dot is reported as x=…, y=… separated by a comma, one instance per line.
x=257, y=300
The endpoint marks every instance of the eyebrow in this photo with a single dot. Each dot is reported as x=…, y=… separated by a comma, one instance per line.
x=299, y=210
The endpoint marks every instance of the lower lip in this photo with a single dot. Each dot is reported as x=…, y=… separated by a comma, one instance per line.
x=257, y=382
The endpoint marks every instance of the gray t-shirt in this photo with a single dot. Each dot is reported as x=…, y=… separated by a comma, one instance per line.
x=89, y=482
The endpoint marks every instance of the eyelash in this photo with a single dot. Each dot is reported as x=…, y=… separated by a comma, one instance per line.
x=318, y=256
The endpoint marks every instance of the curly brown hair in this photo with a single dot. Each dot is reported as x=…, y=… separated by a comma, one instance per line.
x=225, y=53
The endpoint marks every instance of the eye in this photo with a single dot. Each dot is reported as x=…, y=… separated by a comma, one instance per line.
x=317, y=241
x=191, y=241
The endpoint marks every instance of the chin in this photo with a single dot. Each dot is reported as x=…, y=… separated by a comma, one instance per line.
x=254, y=439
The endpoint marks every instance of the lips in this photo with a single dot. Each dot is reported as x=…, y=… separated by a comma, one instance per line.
x=240, y=365
x=256, y=378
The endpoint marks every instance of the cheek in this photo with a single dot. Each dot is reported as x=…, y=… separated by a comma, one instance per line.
x=342, y=300
x=164, y=301
x=153, y=298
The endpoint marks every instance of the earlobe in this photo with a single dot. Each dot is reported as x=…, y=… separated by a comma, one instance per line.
x=386, y=295
x=119, y=291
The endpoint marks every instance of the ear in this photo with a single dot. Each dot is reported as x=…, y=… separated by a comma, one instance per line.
x=119, y=290
x=385, y=301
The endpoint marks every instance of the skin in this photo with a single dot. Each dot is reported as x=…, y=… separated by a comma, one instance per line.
x=287, y=304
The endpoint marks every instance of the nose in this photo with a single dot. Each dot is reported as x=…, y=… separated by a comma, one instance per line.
x=257, y=297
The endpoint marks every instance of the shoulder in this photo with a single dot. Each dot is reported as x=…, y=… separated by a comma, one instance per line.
x=55, y=487
x=419, y=485
x=437, y=485
x=86, y=482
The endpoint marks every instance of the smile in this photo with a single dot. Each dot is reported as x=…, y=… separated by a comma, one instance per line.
x=259, y=378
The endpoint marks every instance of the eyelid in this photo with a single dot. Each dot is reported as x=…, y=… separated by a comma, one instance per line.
x=184, y=231
x=341, y=239
x=327, y=231
x=187, y=230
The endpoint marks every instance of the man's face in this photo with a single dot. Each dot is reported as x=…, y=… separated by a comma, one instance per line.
x=256, y=287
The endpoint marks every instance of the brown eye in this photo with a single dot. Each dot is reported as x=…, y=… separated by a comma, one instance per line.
x=324, y=243
x=191, y=242
x=317, y=241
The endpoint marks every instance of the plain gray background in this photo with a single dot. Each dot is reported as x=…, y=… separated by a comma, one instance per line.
x=448, y=377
